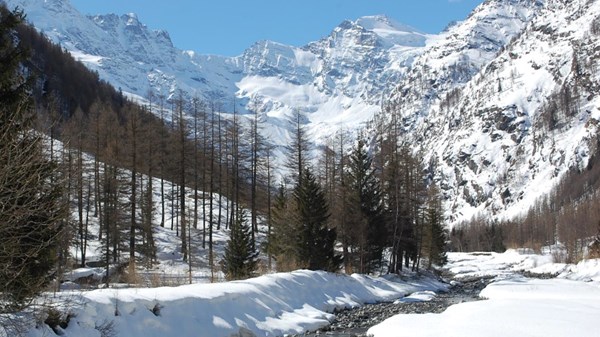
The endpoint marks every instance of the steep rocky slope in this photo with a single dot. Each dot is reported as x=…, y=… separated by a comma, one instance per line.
x=502, y=103
x=503, y=131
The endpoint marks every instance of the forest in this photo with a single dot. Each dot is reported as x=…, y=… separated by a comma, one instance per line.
x=364, y=205
x=74, y=151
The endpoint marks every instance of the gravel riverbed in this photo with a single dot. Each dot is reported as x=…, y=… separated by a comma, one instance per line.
x=355, y=322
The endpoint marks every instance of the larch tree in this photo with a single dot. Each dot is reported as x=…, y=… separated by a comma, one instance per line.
x=74, y=134
x=182, y=136
x=298, y=149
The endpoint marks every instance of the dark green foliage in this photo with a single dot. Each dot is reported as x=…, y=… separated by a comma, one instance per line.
x=31, y=205
x=435, y=237
x=315, y=240
x=282, y=241
x=367, y=217
x=240, y=261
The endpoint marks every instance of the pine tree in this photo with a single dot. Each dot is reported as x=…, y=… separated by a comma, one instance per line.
x=282, y=240
x=366, y=218
x=240, y=261
x=315, y=240
x=31, y=205
x=435, y=237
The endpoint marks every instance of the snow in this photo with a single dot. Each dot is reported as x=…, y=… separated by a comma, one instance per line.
x=270, y=305
x=292, y=303
x=419, y=296
x=515, y=308
x=513, y=305
x=344, y=79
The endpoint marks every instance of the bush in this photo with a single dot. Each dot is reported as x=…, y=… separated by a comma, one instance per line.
x=58, y=320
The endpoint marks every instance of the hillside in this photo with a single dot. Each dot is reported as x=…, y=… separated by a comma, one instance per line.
x=467, y=80
x=501, y=106
x=504, y=131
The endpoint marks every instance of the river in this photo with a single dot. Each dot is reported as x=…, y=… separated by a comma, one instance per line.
x=356, y=322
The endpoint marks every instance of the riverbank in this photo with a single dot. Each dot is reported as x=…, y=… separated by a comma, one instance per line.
x=513, y=304
x=355, y=322
x=270, y=305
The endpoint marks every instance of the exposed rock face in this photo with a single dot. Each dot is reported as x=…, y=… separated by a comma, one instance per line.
x=503, y=127
x=502, y=103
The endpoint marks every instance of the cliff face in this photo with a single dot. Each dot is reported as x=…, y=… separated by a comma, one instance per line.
x=510, y=114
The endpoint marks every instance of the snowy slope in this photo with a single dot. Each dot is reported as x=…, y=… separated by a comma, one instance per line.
x=475, y=97
x=487, y=133
x=271, y=305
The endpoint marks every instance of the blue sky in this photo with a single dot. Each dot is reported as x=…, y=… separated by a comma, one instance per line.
x=228, y=27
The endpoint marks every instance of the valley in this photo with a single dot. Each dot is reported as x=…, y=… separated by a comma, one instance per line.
x=378, y=181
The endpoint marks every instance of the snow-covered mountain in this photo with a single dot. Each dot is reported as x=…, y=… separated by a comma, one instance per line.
x=337, y=80
x=503, y=118
x=476, y=97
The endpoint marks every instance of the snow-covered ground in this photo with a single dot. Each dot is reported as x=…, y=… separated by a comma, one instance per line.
x=270, y=305
x=568, y=305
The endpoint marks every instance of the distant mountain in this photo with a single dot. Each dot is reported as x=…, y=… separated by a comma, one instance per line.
x=338, y=80
x=501, y=103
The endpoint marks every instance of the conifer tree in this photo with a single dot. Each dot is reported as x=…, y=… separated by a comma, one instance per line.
x=240, y=261
x=367, y=217
x=435, y=237
x=31, y=205
x=282, y=239
x=315, y=240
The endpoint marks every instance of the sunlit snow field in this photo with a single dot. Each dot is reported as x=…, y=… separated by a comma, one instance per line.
x=568, y=305
x=292, y=303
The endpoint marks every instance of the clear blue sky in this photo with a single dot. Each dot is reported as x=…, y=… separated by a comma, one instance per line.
x=228, y=27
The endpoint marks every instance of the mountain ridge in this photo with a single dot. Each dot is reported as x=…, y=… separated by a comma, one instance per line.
x=345, y=78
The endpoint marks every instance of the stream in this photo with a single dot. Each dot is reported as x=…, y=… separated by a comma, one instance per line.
x=355, y=322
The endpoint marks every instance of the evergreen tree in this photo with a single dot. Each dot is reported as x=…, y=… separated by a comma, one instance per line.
x=315, y=240
x=31, y=205
x=367, y=218
x=434, y=240
x=240, y=261
x=282, y=241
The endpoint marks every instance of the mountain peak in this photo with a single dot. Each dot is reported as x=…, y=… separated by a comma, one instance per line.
x=383, y=22
x=383, y=29
x=131, y=19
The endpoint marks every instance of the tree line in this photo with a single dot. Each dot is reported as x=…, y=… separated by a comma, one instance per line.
x=368, y=197
x=566, y=218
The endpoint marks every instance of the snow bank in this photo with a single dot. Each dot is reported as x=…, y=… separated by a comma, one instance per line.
x=271, y=305
x=514, y=305
x=494, y=264
x=586, y=270
x=520, y=307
